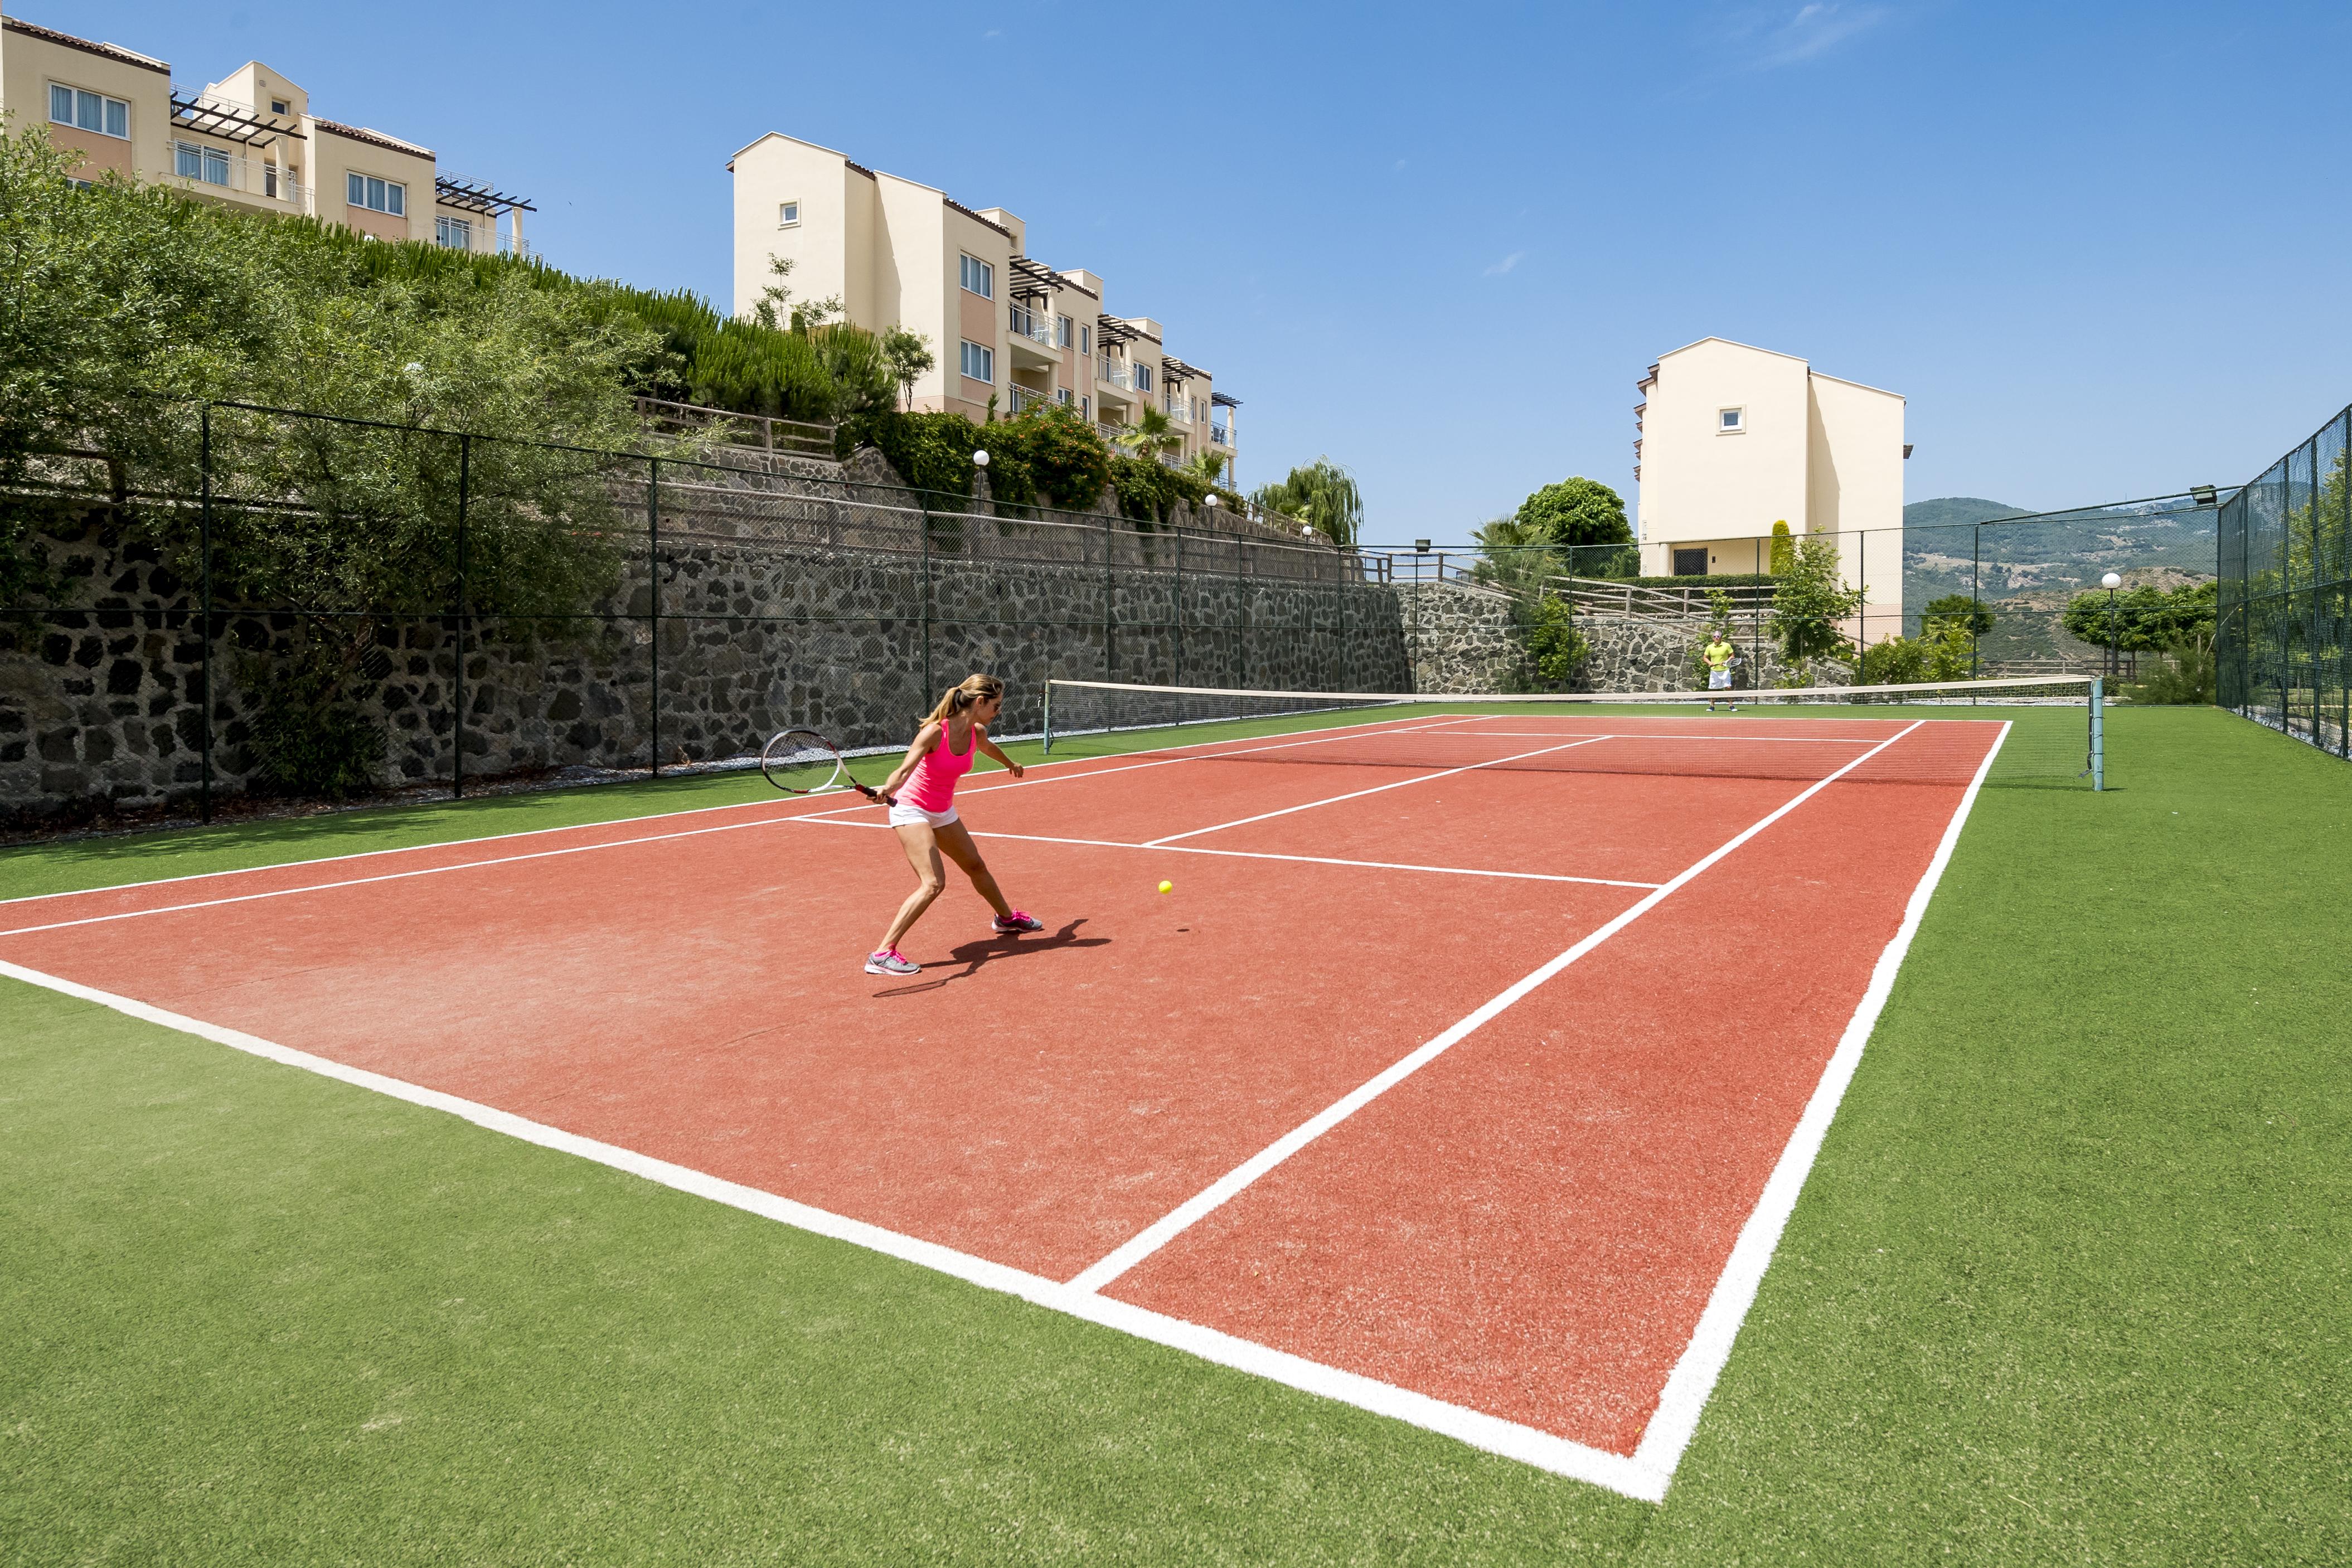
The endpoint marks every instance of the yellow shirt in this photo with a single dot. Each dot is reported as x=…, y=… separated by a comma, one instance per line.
x=1718, y=656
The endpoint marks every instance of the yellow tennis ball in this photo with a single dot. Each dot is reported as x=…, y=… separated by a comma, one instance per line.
x=1167, y=887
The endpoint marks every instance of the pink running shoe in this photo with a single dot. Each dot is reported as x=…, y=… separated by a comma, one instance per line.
x=890, y=961
x=1015, y=924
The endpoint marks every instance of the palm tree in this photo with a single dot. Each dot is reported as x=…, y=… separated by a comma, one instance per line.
x=1323, y=495
x=1152, y=434
x=1208, y=466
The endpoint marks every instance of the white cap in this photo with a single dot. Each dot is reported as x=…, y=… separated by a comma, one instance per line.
x=979, y=459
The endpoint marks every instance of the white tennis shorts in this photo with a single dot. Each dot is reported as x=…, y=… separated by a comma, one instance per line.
x=903, y=815
x=1718, y=680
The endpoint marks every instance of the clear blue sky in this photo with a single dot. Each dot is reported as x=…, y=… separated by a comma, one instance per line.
x=2102, y=248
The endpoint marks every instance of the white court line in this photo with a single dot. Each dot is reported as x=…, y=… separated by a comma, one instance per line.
x=1261, y=855
x=861, y=805
x=1528, y=1445
x=1400, y=726
x=1696, y=1371
x=1624, y=735
x=1178, y=1221
x=1375, y=790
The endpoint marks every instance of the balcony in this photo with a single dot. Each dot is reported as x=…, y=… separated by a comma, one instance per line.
x=1115, y=373
x=1109, y=431
x=1036, y=326
x=1221, y=435
x=1028, y=397
x=213, y=170
x=1180, y=408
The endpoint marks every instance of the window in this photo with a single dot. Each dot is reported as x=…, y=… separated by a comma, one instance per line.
x=979, y=362
x=456, y=234
x=190, y=161
x=978, y=277
x=1086, y=406
x=1086, y=340
x=1061, y=331
x=389, y=196
x=277, y=105
x=1062, y=396
x=1730, y=421
x=788, y=214
x=1142, y=377
x=1691, y=562
x=90, y=111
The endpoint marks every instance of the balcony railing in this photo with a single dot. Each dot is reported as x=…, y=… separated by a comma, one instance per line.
x=213, y=168
x=1180, y=408
x=1115, y=372
x=1030, y=324
x=1028, y=397
x=1220, y=435
x=1110, y=431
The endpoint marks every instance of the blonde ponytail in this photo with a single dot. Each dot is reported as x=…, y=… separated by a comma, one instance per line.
x=963, y=695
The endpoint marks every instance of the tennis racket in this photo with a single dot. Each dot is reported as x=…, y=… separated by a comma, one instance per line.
x=803, y=762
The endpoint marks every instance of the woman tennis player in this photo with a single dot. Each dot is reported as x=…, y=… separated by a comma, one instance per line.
x=924, y=815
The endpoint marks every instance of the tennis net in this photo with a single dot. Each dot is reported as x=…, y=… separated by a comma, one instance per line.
x=2041, y=730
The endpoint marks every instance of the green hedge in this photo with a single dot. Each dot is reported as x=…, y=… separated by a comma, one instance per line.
x=1045, y=457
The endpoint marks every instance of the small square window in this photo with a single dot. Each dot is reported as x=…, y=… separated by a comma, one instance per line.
x=1730, y=421
x=277, y=105
x=788, y=214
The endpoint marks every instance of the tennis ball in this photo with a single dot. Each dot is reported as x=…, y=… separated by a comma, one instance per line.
x=1167, y=887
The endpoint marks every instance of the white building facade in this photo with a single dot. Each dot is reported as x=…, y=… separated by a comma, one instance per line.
x=1733, y=439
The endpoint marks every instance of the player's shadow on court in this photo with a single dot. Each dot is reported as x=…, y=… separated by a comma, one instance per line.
x=995, y=949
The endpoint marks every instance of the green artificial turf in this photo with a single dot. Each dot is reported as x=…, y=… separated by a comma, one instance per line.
x=2069, y=1284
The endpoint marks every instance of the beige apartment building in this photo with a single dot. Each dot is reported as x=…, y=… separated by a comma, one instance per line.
x=249, y=141
x=1734, y=438
x=1004, y=326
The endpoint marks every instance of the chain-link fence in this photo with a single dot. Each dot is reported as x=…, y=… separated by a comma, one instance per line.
x=334, y=608
x=2019, y=582
x=2285, y=611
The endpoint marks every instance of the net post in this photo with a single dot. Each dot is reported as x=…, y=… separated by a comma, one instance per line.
x=1047, y=747
x=2099, y=735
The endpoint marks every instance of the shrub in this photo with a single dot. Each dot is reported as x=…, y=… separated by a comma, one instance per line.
x=308, y=737
x=2182, y=677
x=1895, y=661
x=1553, y=650
x=1808, y=602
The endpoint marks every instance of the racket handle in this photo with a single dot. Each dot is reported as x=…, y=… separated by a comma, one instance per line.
x=871, y=793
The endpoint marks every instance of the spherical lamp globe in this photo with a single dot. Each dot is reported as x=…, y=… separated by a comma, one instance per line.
x=979, y=459
x=2111, y=582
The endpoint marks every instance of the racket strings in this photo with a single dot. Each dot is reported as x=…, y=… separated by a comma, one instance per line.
x=800, y=761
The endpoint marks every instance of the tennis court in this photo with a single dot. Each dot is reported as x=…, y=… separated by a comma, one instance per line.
x=1467, y=1074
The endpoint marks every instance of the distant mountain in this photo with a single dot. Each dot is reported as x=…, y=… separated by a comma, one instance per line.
x=1949, y=511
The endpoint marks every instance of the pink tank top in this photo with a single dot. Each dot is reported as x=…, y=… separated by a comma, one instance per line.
x=931, y=786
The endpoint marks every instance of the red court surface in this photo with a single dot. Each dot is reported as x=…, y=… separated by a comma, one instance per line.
x=1441, y=1072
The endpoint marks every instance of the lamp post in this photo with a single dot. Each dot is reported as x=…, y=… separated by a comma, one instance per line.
x=2111, y=581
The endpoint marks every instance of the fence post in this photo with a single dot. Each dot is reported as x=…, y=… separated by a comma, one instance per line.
x=653, y=595
x=465, y=484
x=1179, y=607
x=205, y=600
x=923, y=522
x=1976, y=611
x=1110, y=628
x=1241, y=605
x=2098, y=736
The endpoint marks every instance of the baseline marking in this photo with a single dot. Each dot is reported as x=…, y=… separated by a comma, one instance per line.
x=1178, y=1221
x=828, y=821
x=1528, y=1445
x=1375, y=790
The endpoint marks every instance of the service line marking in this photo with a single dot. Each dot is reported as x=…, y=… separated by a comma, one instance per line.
x=1528, y=1445
x=1207, y=1201
x=1375, y=790
x=829, y=822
